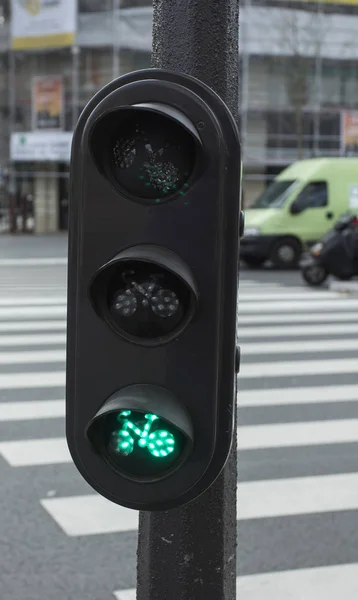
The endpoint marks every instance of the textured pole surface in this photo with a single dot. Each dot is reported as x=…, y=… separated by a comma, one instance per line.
x=189, y=553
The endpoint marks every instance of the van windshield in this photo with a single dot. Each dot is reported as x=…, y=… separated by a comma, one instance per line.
x=275, y=195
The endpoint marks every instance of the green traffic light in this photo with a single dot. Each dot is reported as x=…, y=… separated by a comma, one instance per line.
x=160, y=443
x=142, y=444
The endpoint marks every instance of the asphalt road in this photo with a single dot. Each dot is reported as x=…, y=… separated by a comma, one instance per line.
x=298, y=439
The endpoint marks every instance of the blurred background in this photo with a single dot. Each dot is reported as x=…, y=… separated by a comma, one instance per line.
x=299, y=91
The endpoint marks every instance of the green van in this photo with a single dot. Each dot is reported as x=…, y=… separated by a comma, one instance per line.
x=298, y=208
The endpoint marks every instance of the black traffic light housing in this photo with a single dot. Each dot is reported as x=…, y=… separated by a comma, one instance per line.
x=152, y=289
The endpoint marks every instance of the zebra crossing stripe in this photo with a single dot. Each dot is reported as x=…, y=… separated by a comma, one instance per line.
x=295, y=306
x=23, y=326
x=125, y=594
x=20, y=300
x=296, y=347
x=298, y=395
x=45, y=339
x=253, y=437
x=297, y=367
x=297, y=496
x=295, y=330
x=32, y=410
x=32, y=262
x=30, y=453
x=32, y=357
x=326, y=317
x=90, y=515
x=21, y=453
x=93, y=515
x=42, y=379
x=10, y=312
x=287, y=295
x=298, y=584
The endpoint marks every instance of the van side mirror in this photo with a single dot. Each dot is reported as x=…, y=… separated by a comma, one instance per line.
x=295, y=208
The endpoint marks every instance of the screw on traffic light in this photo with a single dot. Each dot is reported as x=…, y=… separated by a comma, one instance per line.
x=152, y=289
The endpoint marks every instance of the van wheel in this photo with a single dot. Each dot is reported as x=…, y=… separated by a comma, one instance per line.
x=285, y=253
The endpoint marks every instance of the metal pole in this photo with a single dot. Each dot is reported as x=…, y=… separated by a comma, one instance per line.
x=318, y=83
x=12, y=177
x=75, y=84
x=189, y=553
x=116, y=16
x=244, y=88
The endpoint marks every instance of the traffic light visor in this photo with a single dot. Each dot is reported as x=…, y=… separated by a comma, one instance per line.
x=148, y=151
x=142, y=432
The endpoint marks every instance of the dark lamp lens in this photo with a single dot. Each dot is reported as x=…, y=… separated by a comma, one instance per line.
x=147, y=301
x=152, y=156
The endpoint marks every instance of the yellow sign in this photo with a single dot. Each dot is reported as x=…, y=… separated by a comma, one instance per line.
x=32, y=6
x=43, y=23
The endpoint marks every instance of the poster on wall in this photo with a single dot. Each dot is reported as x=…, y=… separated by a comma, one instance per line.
x=40, y=24
x=47, y=102
x=349, y=133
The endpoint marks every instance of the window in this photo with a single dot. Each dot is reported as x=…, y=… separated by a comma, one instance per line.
x=314, y=195
x=275, y=195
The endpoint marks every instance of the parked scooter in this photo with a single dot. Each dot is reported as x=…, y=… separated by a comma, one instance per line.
x=336, y=254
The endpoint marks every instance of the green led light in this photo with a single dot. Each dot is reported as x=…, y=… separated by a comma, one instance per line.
x=159, y=443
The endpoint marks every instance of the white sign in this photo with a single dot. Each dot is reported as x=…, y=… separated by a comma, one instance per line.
x=353, y=196
x=42, y=146
x=43, y=23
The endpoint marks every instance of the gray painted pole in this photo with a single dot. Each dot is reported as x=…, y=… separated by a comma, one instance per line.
x=189, y=553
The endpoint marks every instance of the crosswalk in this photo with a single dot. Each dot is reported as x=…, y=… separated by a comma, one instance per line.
x=298, y=441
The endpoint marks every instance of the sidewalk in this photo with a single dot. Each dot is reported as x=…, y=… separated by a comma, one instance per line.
x=33, y=247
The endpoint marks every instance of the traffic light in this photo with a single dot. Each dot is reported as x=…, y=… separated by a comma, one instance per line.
x=154, y=234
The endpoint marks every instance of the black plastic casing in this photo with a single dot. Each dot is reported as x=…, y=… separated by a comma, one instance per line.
x=202, y=228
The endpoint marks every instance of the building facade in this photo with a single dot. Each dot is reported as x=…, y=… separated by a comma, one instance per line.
x=298, y=81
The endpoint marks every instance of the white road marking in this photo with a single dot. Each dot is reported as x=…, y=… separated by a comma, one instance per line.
x=41, y=356
x=32, y=311
x=20, y=300
x=90, y=515
x=298, y=367
x=297, y=306
x=33, y=340
x=312, y=433
x=297, y=395
x=9, y=326
x=32, y=262
x=26, y=453
x=42, y=379
x=297, y=496
x=326, y=317
x=298, y=346
x=288, y=295
x=32, y=410
x=295, y=330
x=317, y=583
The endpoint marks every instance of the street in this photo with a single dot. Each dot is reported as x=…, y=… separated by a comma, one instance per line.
x=298, y=442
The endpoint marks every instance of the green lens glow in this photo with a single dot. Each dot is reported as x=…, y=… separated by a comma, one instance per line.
x=143, y=445
x=159, y=443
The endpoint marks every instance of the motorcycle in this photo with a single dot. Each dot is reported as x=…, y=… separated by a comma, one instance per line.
x=336, y=254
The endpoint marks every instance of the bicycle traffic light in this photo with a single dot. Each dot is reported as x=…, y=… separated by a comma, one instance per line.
x=152, y=289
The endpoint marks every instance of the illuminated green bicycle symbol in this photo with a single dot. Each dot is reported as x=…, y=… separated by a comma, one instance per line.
x=159, y=443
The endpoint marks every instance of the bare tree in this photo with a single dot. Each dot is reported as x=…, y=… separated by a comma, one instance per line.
x=300, y=38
